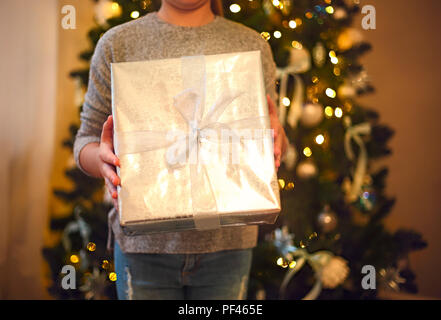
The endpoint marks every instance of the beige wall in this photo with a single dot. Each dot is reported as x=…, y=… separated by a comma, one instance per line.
x=70, y=44
x=405, y=67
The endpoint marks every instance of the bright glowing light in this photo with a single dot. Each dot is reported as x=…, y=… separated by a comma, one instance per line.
x=329, y=9
x=134, y=14
x=329, y=111
x=338, y=112
x=297, y=45
x=320, y=139
x=286, y=102
x=331, y=93
x=74, y=258
x=307, y=151
x=277, y=34
x=292, y=24
x=235, y=8
x=334, y=60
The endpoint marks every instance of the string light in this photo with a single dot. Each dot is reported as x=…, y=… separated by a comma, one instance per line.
x=286, y=102
x=338, y=112
x=320, y=139
x=91, y=246
x=134, y=14
x=292, y=264
x=307, y=152
x=265, y=35
x=329, y=9
x=235, y=8
x=331, y=93
x=337, y=71
x=74, y=258
x=289, y=186
x=105, y=264
x=281, y=183
x=297, y=45
x=277, y=34
x=112, y=276
x=329, y=111
x=292, y=24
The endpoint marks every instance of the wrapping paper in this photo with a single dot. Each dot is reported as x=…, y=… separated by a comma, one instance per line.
x=193, y=138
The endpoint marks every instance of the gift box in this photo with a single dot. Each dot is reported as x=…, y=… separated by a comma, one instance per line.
x=194, y=141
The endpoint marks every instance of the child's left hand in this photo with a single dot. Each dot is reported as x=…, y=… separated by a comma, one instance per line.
x=280, y=139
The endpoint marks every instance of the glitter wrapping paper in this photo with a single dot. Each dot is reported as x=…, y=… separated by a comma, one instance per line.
x=168, y=108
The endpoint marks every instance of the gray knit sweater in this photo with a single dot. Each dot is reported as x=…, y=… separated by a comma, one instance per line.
x=149, y=38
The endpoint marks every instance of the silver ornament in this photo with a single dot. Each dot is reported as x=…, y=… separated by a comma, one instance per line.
x=327, y=220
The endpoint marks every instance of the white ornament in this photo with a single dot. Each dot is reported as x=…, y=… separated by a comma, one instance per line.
x=290, y=157
x=301, y=59
x=306, y=169
x=319, y=54
x=339, y=14
x=106, y=9
x=346, y=91
x=334, y=272
x=312, y=115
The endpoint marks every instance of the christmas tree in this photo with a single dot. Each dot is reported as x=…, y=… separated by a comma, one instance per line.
x=332, y=223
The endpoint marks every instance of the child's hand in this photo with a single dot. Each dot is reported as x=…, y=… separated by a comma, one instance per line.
x=280, y=140
x=108, y=160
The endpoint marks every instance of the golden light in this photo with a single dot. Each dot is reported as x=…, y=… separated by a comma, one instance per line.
x=112, y=276
x=337, y=71
x=277, y=34
x=292, y=24
x=105, y=264
x=298, y=21
x=307, y=152
x=281, y=183
x=309, y=15
x=265, y=35
x=290, y=186
x=329, y=9
x=320, y=139
x=332, y=54
x=331, y=93
x=279, y=261
x=334, y=60
x=91, y=246
x=292, y=264
x=297, y=45
x=115, y=6
x=338, y=112
x=74, y=258
x=314, y=79
x=234, y=8
x=286, y=102
x=134, y=14
x=329, y=111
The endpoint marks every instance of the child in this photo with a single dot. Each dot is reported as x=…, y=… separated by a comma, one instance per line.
x=212, y=264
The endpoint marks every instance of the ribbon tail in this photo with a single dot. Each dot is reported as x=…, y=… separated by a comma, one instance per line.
x=296, y=102
x=291, y=272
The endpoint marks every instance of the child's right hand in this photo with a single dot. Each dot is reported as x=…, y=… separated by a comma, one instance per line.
x=108, y=160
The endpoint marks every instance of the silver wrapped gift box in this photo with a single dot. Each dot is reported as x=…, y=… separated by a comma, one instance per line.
x=194, y=142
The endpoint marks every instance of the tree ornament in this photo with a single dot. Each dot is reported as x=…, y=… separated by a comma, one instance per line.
x=319, y=54
x=334, y=273
x=346, y=91
x=391, y=279
x=95, y=285
x=312, y=115
x=368, y=198
x=290, y=157
x=300, y=58
x=349, y=38
x=306, y=169
x=106, y=9
x=327, y=220
x=340, y=13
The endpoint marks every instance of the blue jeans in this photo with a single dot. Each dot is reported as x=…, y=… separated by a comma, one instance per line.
x=220, y=275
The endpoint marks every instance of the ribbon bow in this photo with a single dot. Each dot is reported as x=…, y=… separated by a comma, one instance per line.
x=354, y=133
x=297, y=97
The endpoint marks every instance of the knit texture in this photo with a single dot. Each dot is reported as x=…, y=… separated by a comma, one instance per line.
x=149, y=38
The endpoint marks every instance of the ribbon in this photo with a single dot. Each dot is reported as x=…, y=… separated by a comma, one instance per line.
x=354, y=133
x=186, y=148
x=297, y=97
x=317, y=261
x=79, y=225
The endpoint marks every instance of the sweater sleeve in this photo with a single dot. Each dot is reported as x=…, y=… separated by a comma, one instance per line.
x=97, y=102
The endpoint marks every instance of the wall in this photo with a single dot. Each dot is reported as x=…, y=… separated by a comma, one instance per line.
x=405, y=68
